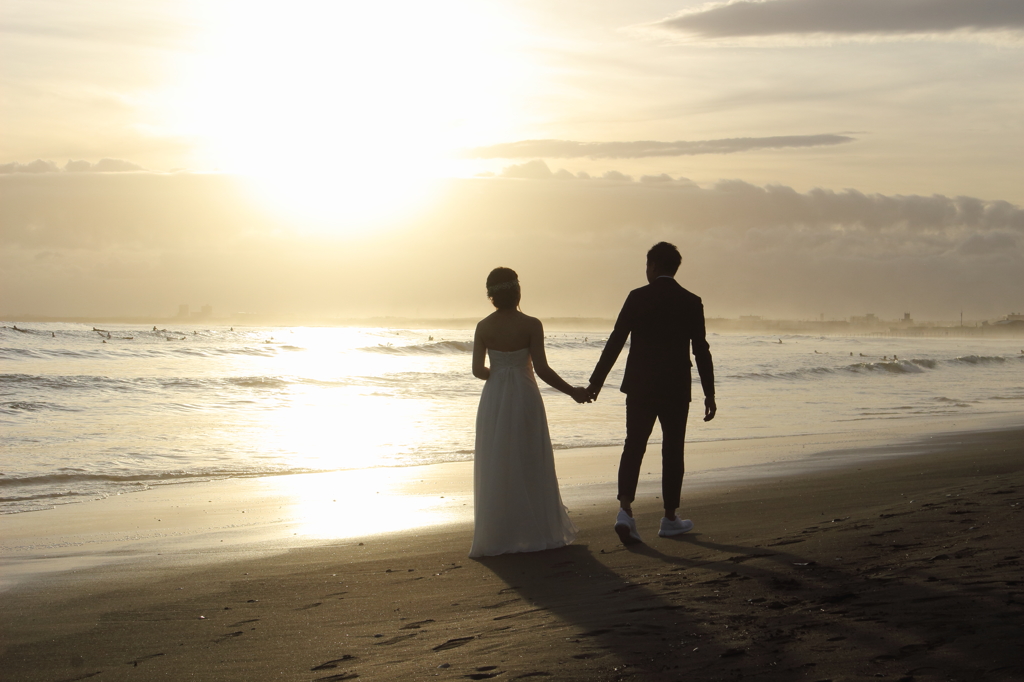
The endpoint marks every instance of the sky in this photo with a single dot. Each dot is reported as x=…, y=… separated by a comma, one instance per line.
x=339, y=159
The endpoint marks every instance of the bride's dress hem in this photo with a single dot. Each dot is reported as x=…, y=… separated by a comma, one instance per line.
x=558, y=545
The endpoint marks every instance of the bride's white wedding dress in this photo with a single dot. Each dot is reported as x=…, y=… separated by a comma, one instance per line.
x=515, y=491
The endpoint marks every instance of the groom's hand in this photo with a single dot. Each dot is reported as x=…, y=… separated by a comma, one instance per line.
x=593, y=390
x=580, y=394
x=709, y=408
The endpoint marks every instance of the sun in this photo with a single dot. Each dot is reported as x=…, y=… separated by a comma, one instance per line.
x=343, y=113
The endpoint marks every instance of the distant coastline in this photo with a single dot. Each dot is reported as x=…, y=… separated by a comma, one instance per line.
x=1004, y=328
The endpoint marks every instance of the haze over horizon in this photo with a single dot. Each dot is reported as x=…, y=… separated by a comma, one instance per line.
x=808, y=157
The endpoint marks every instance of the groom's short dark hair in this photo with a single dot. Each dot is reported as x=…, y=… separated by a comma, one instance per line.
x=665, y=257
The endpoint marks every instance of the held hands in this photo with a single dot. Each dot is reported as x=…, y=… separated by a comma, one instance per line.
x=580, y=394
x=593, y=389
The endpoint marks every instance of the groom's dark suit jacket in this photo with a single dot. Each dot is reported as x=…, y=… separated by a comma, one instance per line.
x=663, y=319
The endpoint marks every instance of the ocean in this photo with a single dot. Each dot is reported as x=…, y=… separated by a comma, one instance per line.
x=88, y=412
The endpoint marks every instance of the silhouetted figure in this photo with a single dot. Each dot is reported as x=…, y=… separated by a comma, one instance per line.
x=661, y=320
x=516, y=503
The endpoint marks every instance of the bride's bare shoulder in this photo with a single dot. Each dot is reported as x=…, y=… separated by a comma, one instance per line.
x=489, y=322
x=531, y=322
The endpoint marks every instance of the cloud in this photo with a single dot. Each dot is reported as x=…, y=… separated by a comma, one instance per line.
x=148, y=241
x=750, y=18
x=763, y=249
x=538, y=170
x=567, y=149
x=531, y=170
x=37, y=166
x=616, y=176
x=101, y=166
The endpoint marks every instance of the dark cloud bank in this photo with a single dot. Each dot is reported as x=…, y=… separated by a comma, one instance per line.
x=746, y=18
x=142, y=243
x=568, y=149
x=41, y=166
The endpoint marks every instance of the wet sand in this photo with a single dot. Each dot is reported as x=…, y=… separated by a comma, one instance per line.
x=903, y=568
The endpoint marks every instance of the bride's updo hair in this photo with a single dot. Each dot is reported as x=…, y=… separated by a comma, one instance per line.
x=503, y=288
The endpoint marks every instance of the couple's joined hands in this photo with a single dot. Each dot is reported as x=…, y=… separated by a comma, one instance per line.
x=589, y=394
x=580, y=394
x=585, y=394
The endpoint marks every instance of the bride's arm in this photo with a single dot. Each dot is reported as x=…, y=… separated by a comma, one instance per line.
x=543, y=369
x=479, y=353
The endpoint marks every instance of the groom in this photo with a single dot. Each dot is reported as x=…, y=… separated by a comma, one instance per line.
x=664, y=319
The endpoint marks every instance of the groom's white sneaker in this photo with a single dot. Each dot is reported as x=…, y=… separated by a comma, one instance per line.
x=625, y=526
x=676, y=527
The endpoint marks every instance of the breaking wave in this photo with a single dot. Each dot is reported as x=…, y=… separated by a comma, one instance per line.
x=430, y=348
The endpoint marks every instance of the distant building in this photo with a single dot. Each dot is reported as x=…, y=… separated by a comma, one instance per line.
x=868, y=318
x=906, y=319
x=1014, y=317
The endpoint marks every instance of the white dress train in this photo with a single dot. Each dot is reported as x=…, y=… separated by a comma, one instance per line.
x=517, y=506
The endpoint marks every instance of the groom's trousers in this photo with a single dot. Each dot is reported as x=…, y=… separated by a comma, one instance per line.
x=641, y=413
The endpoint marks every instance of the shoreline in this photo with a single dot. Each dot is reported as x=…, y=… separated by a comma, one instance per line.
x=907, y=566
x=199, y=522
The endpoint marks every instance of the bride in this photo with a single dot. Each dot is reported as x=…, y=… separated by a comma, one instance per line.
x=517, y=507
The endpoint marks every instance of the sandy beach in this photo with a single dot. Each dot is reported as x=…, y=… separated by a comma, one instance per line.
x=903, y=564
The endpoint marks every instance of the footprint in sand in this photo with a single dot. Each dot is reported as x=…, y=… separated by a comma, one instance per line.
x=453, y=643
x=395, y=640
x=334, y=663
x=136, y=662
x=417, y=625
x=786, y=542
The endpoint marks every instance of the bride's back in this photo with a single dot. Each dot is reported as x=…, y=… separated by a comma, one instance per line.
x=507, y=330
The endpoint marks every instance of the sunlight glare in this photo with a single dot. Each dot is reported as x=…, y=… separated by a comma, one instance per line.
x=349, y=504
x=343, y=112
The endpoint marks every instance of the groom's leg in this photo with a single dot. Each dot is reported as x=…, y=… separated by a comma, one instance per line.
x=672, y=413
x=640, y=416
